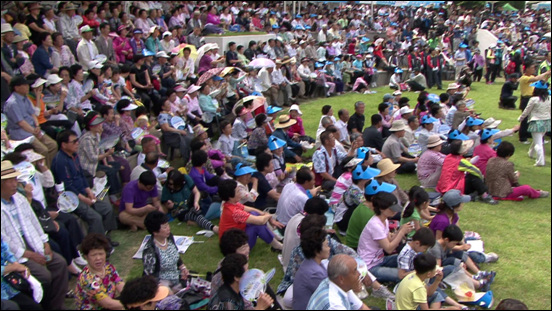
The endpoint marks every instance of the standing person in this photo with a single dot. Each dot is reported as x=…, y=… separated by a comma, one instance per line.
x=461, y=59
x=526, y=94
x=24, y=235
x=538, y=114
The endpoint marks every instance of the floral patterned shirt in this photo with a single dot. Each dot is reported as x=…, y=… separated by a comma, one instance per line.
x=91, y=289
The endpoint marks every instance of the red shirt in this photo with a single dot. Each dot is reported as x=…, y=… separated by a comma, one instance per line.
x=297, y=128
x=233, y=216
x=451, y=177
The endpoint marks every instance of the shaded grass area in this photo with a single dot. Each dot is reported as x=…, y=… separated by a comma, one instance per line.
x=519, y=232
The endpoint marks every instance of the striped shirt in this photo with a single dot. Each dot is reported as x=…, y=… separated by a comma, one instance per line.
x=405, y=260
x=329, y=296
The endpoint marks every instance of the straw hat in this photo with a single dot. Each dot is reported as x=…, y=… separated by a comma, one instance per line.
x=397, y=126
x=199, y=129
x=8, y=171
x=491, y=123
x=434, y=141
x=285, y=121
x=387, y=166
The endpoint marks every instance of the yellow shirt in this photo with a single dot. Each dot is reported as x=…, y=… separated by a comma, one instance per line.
x=524, y=86
x=411, y=292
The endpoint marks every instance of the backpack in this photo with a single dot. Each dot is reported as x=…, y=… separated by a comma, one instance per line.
x=510, y=68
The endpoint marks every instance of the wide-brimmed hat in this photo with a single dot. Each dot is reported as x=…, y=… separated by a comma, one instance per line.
x=452, y=86
x=32, y=156
x=397, y=126
x=8, y=171
x=275, y=143
x=19, y=38
x=466, y=145
x=491, y=123
x=387, y=166
x=454, y=197
x=353, y=162
x=285, y=121
x=6, y=27
x=273, y=109
x=375, y=187
x=69, y=7
x=434, y=141
x=243, y=170
x=199, y=129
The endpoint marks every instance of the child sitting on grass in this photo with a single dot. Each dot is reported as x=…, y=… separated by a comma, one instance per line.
x=422, y=240
x=413, y=294
x=417, y=208
x=452, y=236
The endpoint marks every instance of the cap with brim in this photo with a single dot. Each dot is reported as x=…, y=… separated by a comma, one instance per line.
x=137, y=31
x=152, y=29
x=180, y=88
x=362, y=152
x=397, y=126
x=130, y=107
x=387, y=97
x=454, y=198
x=398, y=70
x=474, y=122
x=243, y=170
x=162, y=54
x=38, y=83
x=19, y=38
x=273, y=109
x=434, y=141
x=147, y=53
x=466, y=145
x=488, y=133
x=361, y=173
x=375, y=187
x=18, y=80
x=122, y=27
x=95, y=120
x=162, y=293
x=386, y=166
x=199, y=129
x=167, y=33
x=275, y=143
x=491, y=123
x=217, y=78
x=94, y=64
x=296, y=108
x=285, y=121
x=397, y=93
x=427, y=119
x=32, y=156
x=8, y=171
x=457, y=135
x=193, y=88
x=86, y=28
x=354, y=162
x=540, y=85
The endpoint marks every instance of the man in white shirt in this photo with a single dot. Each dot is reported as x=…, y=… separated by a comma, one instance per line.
x=341, y=125
x=150, y=164
x=282, y=82
x=294, y=196
x=86, y=49
x=269, y=89
x=305, y=73
x=337, y=292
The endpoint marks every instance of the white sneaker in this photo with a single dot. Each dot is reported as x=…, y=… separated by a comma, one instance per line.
x=382, y=292
x=491, y=257
x=367, y=92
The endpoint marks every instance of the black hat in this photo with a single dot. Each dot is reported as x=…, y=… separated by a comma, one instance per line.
x=18, y=80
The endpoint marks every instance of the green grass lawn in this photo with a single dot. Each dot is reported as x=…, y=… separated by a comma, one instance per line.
x=519, y=232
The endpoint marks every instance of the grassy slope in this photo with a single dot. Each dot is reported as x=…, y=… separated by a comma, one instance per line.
x=518, y=231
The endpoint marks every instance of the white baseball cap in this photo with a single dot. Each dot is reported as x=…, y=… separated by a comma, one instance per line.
x=53, y=79
x=406, y=109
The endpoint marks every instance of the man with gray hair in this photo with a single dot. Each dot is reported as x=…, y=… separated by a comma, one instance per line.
x=337, y=292
x=325, y=122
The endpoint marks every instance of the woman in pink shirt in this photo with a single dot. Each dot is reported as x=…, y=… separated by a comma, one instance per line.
x=121, y=45
x=484, y=151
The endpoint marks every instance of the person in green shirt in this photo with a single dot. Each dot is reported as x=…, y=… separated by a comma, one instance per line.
x=416, y=209
x=365, y=211
x=181, y=198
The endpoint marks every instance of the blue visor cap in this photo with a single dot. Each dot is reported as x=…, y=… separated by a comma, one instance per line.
x=275, y=26
x=273, y=109
x=398, y=70
x=217, y=78
x=362, y=152
x=275, y=143
x=463, y=46
x=298, y=16
x=368, y=173
x=540, y=85
x=473, y=121
x=456, y=135
x=488, y=133
x=427, y=119
x=243, y=170
x=434, y=98
x=375, y=187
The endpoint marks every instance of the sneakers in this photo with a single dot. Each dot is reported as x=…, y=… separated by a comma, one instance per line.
x=488, y=199
x=491, y=257
x=544, y=194
x=486, y=278
x=383, y=292
x=390, y=304
x=482, y=275
x=525, y=142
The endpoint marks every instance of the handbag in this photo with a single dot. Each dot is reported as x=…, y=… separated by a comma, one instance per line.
x=46, y=222
x=18, y=282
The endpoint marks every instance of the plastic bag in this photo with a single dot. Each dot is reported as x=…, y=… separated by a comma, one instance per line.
x=461, y=284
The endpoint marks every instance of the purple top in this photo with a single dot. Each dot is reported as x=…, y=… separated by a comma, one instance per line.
x=200, y=179
x=132, y=194
x=205, y=63
x=212, y=19
x=441, y=221
x=307, y=279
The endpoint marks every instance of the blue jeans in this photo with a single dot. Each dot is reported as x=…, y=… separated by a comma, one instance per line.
x=477, y=257
x=387, y=271
x=213, y=212
x=436, y=297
